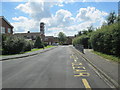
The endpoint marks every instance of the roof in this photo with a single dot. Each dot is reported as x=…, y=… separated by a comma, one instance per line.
x=49, y=36
x=27, y=33
x=5, y=20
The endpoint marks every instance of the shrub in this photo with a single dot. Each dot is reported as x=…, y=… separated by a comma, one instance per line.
x=45, y=44
x=38, y=43
x=28, y=46
x=13, y=45
x=81, y=40
x=106, y=40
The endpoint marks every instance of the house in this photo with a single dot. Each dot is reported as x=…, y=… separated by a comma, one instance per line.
x=50, y=40
x=69, y=40
x=5, y=26
x=32, y=35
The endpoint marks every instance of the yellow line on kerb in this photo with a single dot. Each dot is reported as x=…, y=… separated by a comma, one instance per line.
x=86, y=84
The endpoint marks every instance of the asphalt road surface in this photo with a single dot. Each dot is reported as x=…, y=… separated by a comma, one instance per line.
x=61, y=67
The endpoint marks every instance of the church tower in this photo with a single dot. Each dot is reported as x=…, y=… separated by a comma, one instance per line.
x=42, y=28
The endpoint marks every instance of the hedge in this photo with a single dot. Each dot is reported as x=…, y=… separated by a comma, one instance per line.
x=14, y=45
x=82, y=40
x=106, y=40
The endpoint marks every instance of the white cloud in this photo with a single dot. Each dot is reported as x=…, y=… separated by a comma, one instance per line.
x=100, y=1
x=90, y=14
x=24, y=24
x=66, y=1
x=36, y=10
x=12, y=0
x=63, y=20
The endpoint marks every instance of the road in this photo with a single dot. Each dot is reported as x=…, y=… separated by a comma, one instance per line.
x=61, y=67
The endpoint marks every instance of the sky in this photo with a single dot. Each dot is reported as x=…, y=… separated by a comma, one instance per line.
x=59, y=16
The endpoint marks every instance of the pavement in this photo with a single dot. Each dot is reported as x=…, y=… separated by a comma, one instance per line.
x=108, y=68
x=61, y=67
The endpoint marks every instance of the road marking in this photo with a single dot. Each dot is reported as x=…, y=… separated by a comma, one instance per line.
x=81, y=74
x=76, y=57
x=80, y=68
x=76, y=63
x=71, y=57
x=76, y=70
x=86, y=84
x=75, y=60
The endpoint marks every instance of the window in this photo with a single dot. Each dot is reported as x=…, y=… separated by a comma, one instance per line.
x=2, y=30
x=9, y=30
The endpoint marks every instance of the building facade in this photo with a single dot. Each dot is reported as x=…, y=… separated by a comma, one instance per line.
x=32, y=35
x=50, y=40
x=5, y=26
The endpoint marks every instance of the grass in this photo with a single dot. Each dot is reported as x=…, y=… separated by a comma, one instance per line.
x=109, y=57
x=37, y=49
x=29, y=51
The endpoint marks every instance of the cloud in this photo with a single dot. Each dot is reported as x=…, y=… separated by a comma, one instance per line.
x=23, y=24
x=62, y=18
x=66, y=1
x=12, y=0
x=90, y=14
x=36, y=10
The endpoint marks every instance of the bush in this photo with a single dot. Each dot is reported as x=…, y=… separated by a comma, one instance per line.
x=106, y=40
x=81, y=40
x=38, y=43
x=14, y=45
x=45, y=44
x=28, y=46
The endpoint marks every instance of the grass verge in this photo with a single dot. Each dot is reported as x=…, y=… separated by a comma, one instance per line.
x=38, y=49
x=29, y=51
x=109, y=57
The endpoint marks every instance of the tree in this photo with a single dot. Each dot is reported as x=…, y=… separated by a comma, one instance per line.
x=79, y=33
x=90, y=29
x=118, y=18
x=84, y=32
x=38, y=43
x=111, y=18
x=104, y=24
x=62, y=38
x=81, y=40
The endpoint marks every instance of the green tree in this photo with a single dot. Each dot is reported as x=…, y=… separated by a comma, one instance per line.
x=81, y=40
x=79, y=33
x=104, y=24
x=118, y=18
x=62, y=38
x=38, y=43
x=90, y=29
x=106, y=40
x=84, y=32
x=111, y=18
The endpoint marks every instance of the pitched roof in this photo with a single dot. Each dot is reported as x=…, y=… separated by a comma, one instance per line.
x=5, y=20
